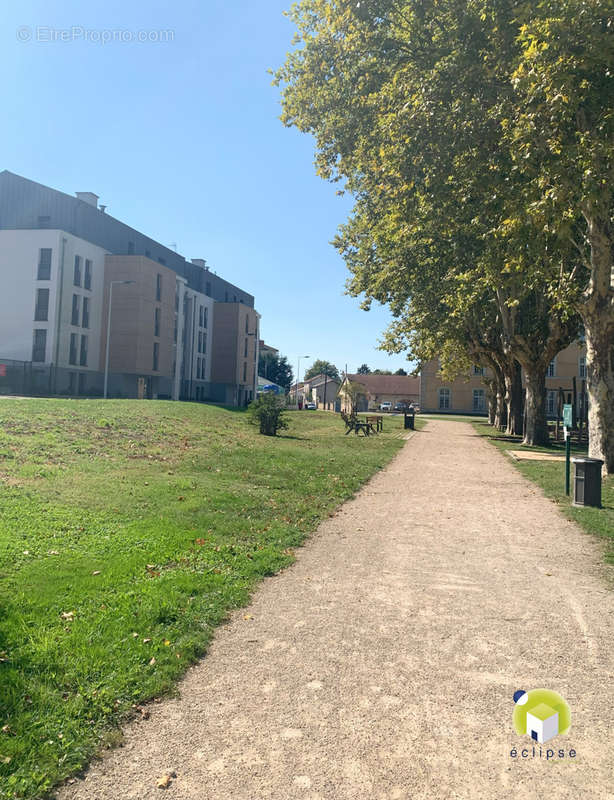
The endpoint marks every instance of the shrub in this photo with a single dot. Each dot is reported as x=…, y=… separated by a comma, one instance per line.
x=268, y=412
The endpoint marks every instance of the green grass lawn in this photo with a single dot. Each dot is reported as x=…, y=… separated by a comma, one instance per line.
x=550, y=476
x=128, y=530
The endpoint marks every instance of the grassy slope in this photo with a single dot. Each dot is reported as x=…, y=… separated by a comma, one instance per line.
x=550, y=476
x=127, y=531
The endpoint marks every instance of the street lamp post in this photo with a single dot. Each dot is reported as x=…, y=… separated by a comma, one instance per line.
x=106, y=358
x=298, y=375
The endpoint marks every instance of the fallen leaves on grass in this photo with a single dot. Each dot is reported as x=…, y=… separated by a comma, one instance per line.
x=68, y=615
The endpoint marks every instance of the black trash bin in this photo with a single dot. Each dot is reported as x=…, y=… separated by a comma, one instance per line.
x=587, y=482
x=409, y=421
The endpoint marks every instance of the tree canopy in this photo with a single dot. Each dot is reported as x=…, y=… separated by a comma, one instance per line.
x=322, y=367
x=275, y=368
x=476, y=139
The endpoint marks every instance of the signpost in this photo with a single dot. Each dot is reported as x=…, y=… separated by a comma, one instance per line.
x=567, y=424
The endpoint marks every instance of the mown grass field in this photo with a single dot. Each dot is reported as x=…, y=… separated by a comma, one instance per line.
x=550, y=476
x=128, y=530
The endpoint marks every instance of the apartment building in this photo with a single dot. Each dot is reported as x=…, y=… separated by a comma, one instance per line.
x=234, y=369
x=468, y=394
x=61, y=260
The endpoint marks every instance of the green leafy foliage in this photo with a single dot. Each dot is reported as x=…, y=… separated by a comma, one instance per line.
x=268, y=413
x=322, y=367
x=275, y=368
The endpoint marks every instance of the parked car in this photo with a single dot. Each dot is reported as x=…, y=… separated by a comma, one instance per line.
x=311, y=407
x=385, y=406
x=401, y=406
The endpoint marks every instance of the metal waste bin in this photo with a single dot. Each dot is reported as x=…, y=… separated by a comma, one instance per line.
x=587, y=481
x=409, y=421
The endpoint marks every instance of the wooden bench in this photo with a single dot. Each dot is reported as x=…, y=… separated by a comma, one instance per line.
x=353, y=423
x=377, y=420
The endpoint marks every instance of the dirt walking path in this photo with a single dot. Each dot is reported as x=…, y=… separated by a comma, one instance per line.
x=383, y=663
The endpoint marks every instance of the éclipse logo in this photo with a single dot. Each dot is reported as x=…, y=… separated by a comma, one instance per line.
x=541, y=714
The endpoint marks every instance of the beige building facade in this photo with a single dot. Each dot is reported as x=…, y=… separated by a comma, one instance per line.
x=378, y=389
x=468, y=394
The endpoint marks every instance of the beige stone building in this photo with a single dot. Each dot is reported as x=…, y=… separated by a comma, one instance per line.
x=378, y=389
x=468, y=394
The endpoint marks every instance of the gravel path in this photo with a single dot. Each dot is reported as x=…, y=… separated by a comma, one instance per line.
x=383, y=663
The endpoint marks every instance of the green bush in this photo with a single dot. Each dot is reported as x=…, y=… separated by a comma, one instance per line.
x=268, y=412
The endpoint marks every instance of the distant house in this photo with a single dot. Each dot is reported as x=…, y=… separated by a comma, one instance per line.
x=379, y=389
x=322, y=390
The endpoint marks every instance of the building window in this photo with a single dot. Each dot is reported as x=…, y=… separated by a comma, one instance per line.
x=245, y=349
x=157, y=322
x=162, y=261
x=147, y=253
x=551, y=403
x=130, y=248
x=204, y=350
x=83, y=352
x=225, y=297
x=244, y=371
x=85, y=318
x=582, y=367
x=77, y=273
x=198, y=368
x=478, y=370
x=202, y=368
x=200, y=341
x=158, y=287
x=87, y=277
x=81, y=383
x=43, y=221
x=246, y=325
x=208, y=288
x=206, y=317
x=74, y=320
x=44, y=264
x=156, y=356
x=72, y=355
x=478, y=400
x=201, y=316
x=444, y=399
x=41, y=310
x=551, y=371
x=39, y=345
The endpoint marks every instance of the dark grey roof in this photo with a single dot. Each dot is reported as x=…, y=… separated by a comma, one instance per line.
x=25, y=204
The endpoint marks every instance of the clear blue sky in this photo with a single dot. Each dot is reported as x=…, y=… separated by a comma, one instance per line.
x=182, y=140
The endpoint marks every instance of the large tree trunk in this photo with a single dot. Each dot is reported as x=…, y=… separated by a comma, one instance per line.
x=597, y=312
x=492, y=408
x=600, y=388
x=501, y=409
x=536, y=425
x=513, y=400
